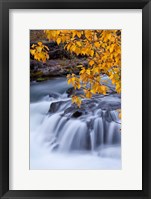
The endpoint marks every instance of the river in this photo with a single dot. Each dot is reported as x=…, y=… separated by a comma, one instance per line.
x=60, y=139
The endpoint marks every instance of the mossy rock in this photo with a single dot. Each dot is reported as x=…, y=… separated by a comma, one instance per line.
x=41, y=79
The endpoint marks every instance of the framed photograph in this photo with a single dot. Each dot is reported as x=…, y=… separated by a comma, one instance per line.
x=75, y=99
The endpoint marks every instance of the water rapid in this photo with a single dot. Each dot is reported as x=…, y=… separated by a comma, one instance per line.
x=63, y=137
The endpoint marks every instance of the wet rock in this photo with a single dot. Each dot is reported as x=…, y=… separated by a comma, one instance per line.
x=41, y=79
x=107, y=116
x=55, y=106
x=109, y=105
x=54, y=95
x=77, y=114
x=71, y=91
x=70, y=110
x=90, y=124
x=35, y=64
x=74, y=112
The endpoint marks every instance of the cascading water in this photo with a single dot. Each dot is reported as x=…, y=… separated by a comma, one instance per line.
x=63, y=137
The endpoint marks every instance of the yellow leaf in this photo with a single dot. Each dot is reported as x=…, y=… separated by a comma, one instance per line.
x=87, y=34
x=109, y=36
x=79, y=34
x=73, y=47
x=69, y=45
x=82, y=71
x=111, y=48
x=113, y=81
x=88, y=94
x=93, y=91
x=77, y=51
x=74, y=34
x=91, y=62
x=32, y=52
x=40, y=43
x=76, y=100
x=97, y=44
x=103, y=90
x=96, y=70
x=58, y=41
x=88, y=71
x=79, y=43
x=120, y=115
x=39, y=49
x=33, y=46
x=95, y=37
x=91, y=53
x=69, y=81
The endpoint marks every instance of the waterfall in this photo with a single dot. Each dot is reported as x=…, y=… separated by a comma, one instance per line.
x=113, y=133
x=57, y=127
x=68, y=134
x=99, y=131
x=73, y=136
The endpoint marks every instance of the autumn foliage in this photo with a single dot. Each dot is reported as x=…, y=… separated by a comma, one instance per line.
x=103, y=51
x=40, y=52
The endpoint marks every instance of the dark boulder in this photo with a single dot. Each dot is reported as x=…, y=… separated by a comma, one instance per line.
x=58, y=53
x=71, y=91
x=77, y=114
x=55, y=106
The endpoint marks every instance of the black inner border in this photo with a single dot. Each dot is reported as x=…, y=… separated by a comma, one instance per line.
x=5, y=5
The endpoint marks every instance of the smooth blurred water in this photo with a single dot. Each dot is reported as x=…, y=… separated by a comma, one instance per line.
x=60, y=143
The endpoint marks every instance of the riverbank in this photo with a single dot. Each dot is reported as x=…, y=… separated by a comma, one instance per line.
x=40, y=71
x=60, y=62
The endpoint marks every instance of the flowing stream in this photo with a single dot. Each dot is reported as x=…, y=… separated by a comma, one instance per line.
x=64, y=138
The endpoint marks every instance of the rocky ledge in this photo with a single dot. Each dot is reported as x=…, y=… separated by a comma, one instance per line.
x=60, y=63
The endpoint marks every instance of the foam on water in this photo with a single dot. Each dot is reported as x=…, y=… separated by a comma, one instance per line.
x=58, y=142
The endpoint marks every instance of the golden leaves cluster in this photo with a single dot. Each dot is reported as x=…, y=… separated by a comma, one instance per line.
x=76, y=100
x=40, y=52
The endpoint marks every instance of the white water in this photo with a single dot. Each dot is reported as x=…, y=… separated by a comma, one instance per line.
x=57, y=142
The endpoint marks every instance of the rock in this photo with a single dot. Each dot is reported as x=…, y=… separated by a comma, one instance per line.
x=55, y=106
x=72, y=91
x=59, y=53
x=55, y=67
x=51, y=44
x=77, y=114
x=85, y=63
x=107, y=116
x=90, y=124
x=35, y=64
x=70, y=110
x=51, y=63
x=41, y=79
x=54, y=95
x=109, y=105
